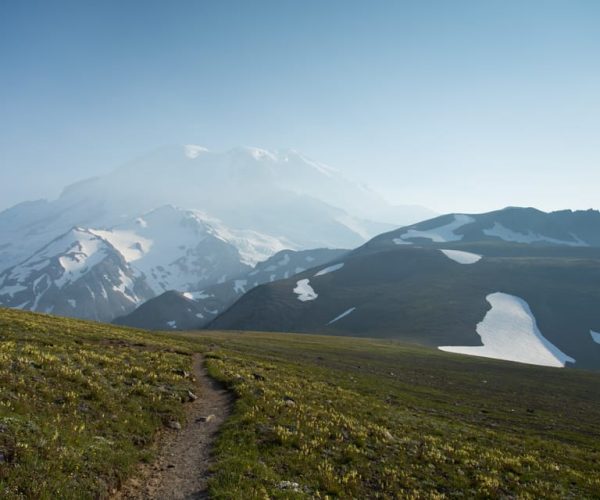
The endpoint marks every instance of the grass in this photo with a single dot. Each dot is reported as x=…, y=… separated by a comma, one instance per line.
x=80, y=403
x=315, y=417
x=336, y=418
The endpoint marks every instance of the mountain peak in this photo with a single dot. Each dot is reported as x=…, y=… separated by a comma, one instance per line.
x=192, y=151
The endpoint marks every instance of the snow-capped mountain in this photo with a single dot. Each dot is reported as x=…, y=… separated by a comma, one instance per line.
x=527, y=293
x=285, y=196
x=165, y=249
x=238, y=208
x=193, y=310
x=78, y=274
x=178, y=250
x=512, y=225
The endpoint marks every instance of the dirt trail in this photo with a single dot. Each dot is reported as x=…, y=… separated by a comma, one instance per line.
x=180, y=470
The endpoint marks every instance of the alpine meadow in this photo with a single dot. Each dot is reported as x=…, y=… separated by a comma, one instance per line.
x=299, y=250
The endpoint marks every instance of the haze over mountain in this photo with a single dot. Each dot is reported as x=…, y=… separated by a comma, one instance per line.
x=181, y=218
x=187, y=311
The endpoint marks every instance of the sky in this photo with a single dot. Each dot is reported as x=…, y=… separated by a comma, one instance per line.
x=458, y=106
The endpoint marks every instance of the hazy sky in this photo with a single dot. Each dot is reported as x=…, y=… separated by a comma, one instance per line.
x=456, y=105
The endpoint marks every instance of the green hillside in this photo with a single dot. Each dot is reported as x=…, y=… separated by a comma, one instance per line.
x=419, y=295
x=80, y=403
x=314, y=417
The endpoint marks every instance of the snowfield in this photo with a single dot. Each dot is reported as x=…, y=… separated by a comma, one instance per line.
x=304, y=291
x=440, y=234
x=509, y=331
x=330, y=269
x=462, y=257
x=506, y=234
x=595, y=336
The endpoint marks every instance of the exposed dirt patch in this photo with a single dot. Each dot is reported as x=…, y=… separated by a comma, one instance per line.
x=181, y=469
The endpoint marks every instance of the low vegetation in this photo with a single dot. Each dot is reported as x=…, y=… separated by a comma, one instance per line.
x=315, y=417
x=329, y=417
x=80, y=403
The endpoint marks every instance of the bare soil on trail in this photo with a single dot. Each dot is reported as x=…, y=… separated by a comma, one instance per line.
x=181, y=469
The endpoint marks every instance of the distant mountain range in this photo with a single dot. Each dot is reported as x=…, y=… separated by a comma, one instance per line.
x=249, y=239
x=516, y=284
x=187, y=311
x=179, y=218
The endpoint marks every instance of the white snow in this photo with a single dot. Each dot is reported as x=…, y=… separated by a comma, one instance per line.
x=141, y=222
x=72, y=303
x=506, y=234
x=462, y=257
x=79, y=251
x=192, y=151
x=131, y=245
x=343, y=315
x=200, y=315
x=440, y=234
x=330, y=269
x=125, y=286
x=400, y=241
x=198, y=295
x=595, y=336
x=175, y=248
x=509, y=331
x=239, y=286
x=172, y=324
x=304, y=291
x=39, y=292
x=298, y=270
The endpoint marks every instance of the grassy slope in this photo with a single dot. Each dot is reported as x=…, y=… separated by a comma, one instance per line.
x=381, y=419
x=80, y=403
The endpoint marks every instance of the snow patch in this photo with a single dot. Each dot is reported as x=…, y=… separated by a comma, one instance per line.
x=72, y=303
x=343, y=315
x=440, y=234
x=304, y=291
x=330, y=269
x=239, y=286
x=172, y=324
x=506, y=234
x=130, y=245
x=509, y=331
x=192, y=151
x=125, y=287
x=462, y=257
x=198, y=295
x=595, y=336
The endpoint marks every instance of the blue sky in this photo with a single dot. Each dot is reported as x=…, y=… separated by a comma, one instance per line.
x=456, y=105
